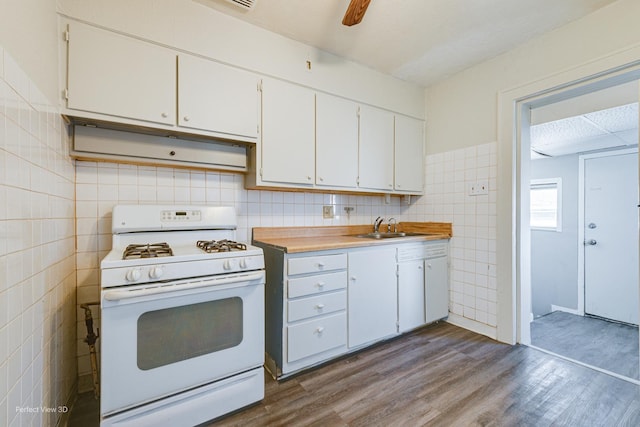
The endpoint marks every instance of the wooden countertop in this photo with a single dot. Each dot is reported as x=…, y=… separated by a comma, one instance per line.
x=309, y=239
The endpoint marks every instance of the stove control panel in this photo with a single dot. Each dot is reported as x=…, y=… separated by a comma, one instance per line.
x=167, y=271
x=181, y=216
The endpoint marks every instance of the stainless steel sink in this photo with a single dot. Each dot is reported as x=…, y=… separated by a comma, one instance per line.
x=388, y=235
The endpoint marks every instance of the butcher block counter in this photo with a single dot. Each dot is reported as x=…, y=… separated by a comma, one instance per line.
x=309, y=239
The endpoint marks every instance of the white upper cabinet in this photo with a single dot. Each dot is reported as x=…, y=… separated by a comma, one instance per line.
x=215, y=97
x=119, y=76
x=376, y=149
x=409, y=155
x=336, y=141
x=288, y=133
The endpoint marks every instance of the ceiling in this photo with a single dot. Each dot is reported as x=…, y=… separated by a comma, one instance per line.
x=421, y=41
x=599, y=130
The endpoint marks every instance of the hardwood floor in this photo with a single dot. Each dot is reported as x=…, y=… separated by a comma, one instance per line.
x=442, y=375
x=596, y=342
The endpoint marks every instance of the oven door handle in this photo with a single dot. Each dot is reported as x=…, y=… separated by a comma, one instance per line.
x=122, y=294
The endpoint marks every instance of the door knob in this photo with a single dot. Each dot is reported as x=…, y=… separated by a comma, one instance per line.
x=592, y=225
x=591, y=242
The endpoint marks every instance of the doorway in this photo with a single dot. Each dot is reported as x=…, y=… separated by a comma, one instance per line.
x=583, y=249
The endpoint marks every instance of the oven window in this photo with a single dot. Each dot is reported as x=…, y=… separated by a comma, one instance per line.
x=180, y=333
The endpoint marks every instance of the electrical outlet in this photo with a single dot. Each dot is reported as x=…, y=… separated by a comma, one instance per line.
x=328, y=212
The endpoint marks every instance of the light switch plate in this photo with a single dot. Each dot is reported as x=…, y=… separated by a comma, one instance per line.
x=479, y=188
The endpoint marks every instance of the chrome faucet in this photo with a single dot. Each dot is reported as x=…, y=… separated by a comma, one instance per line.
x=376, y=224
x=395, y=225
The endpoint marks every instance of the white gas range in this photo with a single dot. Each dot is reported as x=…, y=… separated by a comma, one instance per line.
x=182, y=317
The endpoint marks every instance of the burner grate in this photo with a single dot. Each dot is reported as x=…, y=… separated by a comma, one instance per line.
x=225, y=245
x=149, y=250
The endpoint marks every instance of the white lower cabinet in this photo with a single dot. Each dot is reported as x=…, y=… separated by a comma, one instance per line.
x=316, y=336
x=322, y=305
x=373, y=295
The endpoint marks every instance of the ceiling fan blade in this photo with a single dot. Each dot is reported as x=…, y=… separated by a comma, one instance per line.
x=355, y=12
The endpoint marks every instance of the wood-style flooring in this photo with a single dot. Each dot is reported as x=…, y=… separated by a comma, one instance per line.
x=597, y=342
x=440, y=375
x=443, y=375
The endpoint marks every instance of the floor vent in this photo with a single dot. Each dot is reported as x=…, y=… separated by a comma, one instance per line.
x=244, y=4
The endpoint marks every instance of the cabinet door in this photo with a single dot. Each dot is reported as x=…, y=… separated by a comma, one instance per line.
x=288, y=134
x=436, y=289
x=217, y=98
x=411, y=301
x=372, y=295
x=336, y=141
x=409, y=154
x=119, y=76
x=376, y=149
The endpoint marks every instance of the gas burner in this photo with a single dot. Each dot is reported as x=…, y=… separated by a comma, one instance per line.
x=220, y=245
x=149, y=250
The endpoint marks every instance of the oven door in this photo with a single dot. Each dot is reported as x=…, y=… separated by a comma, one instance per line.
x=164, y=338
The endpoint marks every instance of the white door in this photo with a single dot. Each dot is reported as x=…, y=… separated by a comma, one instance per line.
x=611, y=236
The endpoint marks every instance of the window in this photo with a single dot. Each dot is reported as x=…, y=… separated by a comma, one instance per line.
x=546, y=203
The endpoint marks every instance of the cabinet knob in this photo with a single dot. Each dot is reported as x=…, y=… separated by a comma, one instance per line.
x=398, y=185
x=186, y=118
x=428, y=265
x=320, y=179
x=320, y=264
x=353, y=278
x=320, y=285
x=390, y=185
x=319, y=330
x=419, y=267
x=308, y=178
x=319, y=306
x=164, y=115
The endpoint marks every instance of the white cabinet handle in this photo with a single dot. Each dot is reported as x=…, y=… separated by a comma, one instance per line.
x=320, y=285
x=419, y=267
x=320, y=264
x=320, y=179
x=165, y=115
x=319, y=306
x=308, y=178
x=186, y=118
x=353, y=278
x=319, y=330
x=428, y=265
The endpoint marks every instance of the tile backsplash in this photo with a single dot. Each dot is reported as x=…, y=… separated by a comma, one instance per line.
x=37, y=255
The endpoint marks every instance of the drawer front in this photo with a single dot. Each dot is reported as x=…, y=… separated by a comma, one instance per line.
x=316, y=335
x=316, y=264
x=304, y=308
x=316, y=284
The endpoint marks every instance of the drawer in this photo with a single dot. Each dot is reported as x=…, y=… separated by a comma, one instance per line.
x=309, y=285
x=315, y=264
x=316, y=335
x=304, y=308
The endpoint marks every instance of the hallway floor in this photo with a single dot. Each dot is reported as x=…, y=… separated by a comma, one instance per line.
x=606, y=345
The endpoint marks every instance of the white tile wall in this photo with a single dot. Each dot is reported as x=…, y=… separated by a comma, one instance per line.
x=37, y=247
x=449, y=177
x=101, y=185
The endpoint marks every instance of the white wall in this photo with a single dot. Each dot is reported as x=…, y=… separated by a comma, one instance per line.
x=462, y=112
x=37, y=254
x=554, y=255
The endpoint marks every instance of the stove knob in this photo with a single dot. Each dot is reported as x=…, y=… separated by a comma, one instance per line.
x=133, y=275
x=156, y=272
x=244, y=263
x=228, y=264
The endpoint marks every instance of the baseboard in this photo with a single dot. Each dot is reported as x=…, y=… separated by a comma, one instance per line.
x=565, y=309
x=473, y=326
